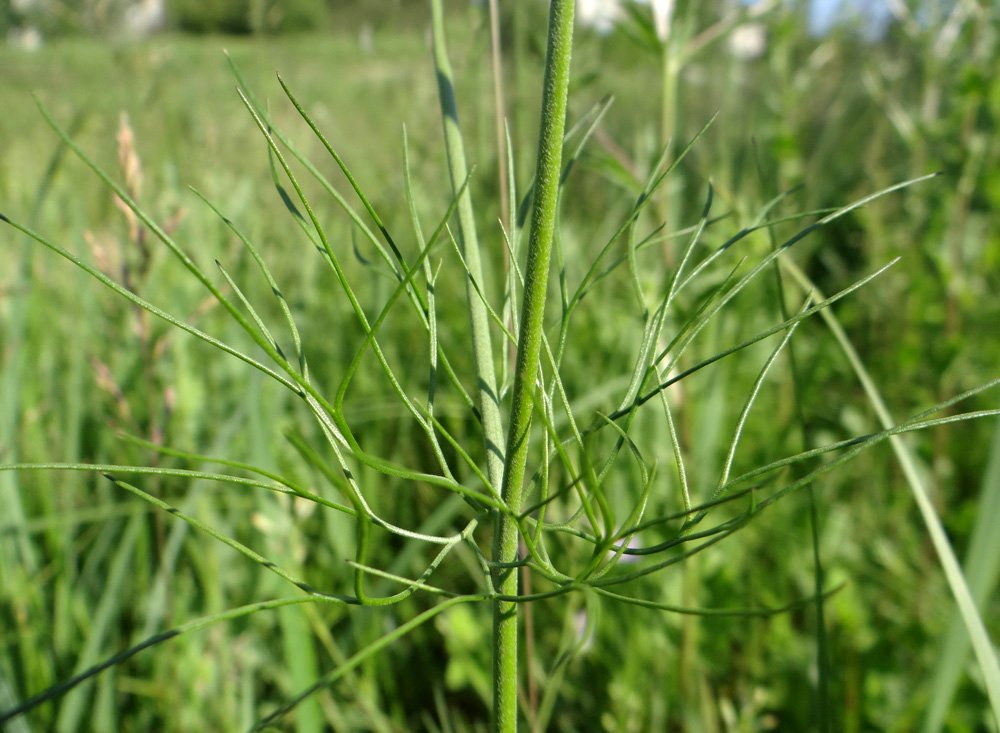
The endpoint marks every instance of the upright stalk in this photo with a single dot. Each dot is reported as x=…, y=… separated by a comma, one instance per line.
x=543, y=217
x=479, y=321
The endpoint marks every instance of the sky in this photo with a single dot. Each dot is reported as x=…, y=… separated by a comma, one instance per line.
x=824, y=13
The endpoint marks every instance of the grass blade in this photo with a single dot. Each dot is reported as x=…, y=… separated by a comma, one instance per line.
x=981, y=644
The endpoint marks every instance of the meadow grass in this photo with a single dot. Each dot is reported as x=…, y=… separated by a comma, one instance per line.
x=88, y=571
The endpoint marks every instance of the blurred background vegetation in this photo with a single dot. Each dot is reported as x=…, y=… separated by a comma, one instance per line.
x=85, y=572
x=240, y=17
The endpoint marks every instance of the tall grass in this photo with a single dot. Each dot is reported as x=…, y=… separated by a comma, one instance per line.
x=365, y=431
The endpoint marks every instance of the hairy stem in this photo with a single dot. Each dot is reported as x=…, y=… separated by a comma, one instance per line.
x=550, y=139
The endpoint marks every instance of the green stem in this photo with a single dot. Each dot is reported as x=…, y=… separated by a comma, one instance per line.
x=543, y=217
x=479, y=320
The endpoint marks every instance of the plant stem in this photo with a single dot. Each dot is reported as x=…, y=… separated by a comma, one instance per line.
x=543, y=217
x=479, y=321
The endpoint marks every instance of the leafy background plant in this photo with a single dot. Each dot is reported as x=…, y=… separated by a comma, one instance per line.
x=87, y=570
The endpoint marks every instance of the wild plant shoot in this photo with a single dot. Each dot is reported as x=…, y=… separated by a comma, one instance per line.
x=498, y=372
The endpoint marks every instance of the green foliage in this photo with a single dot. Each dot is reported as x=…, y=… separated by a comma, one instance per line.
x=248, y=16
x=9, y=18
x=228, y=16
x=88, y=570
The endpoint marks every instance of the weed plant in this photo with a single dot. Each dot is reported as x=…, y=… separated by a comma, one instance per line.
x=454, y=441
